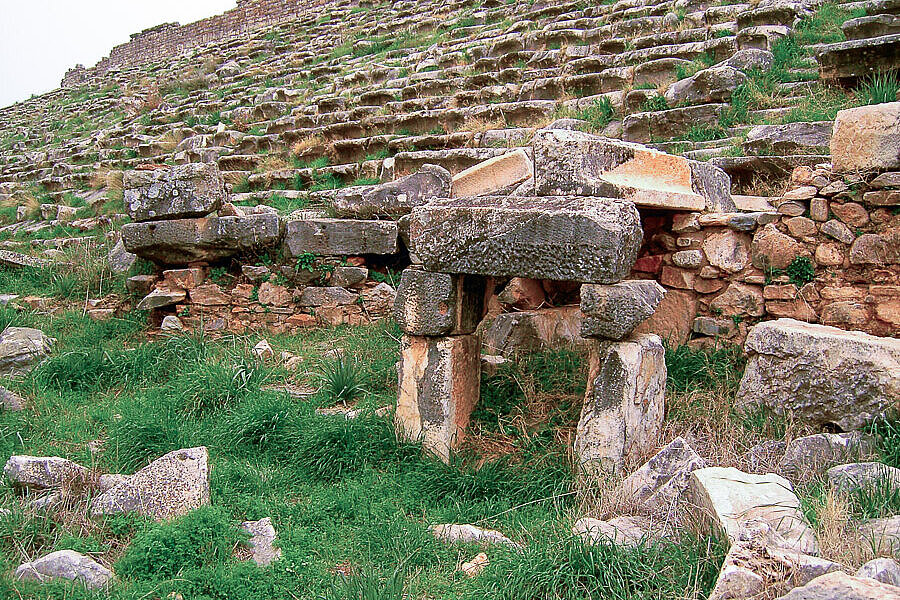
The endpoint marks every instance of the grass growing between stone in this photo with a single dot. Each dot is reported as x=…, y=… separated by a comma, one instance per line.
x=352, y=506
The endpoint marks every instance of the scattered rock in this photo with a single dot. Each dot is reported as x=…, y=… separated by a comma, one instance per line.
x=454, y=533
x=263, y=351
x=840, y=586
x=613, y=311
x=160, y=298
x=625, y=531
x=475, y=566
x=262, y=541
x=171, y=323
x=10, y=400
x=533, y=330
x=21, y=348
x=523, y=294
x=396, y=198
x=863, y=476
x=66, y=564
x=804, y=457
x=42, y=472
x=885, y=570
x=660, y=481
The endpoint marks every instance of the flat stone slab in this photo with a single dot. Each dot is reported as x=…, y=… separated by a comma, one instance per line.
x=66, y=564
x=181, y=241
x=21, y=348
x=17, y=259
x=340, y=237
x=859, y=58
x=573, y=162
x=566, y=238
x=396, y=198
x=179, y=192
x=493, y=175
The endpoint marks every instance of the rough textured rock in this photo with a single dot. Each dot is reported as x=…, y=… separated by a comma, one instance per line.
x=621, y=531
x=493, y=175
x=21, y=348
x=613, y=311
x=168, y=487
x=733, y=500
x=262, y=541
x=10, y=400
x=66, y=564
x=532, y=330
x=438, y=304
x=840, y=586
x=572, y=162
x=439, y=384
x=396, y=198
x=160, y=298
x=882, y=535
x=453, y=533
x=182, y=241
x=42, y=472
x=714, y=84
x=593, y=240
x=120, y=260
x=823, y=375
x=804, y=457
x=750, y=59
x=660, y=481
x=624, y=402
x=727, y=250
x=340, y=237
x=523, y=294
x=791, y=138
x=867, y=138
x=863, y=476
x=179, y=192
x=885, y=570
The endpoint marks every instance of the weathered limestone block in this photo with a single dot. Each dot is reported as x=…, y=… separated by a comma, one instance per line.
x=531, y=330
x=791, y=138
x=885, y=570
x=522, y=294
x=161, y=297
x=592, y=240
x=855, y=59
x=493, y=175
x=840, y=586
x=660, y=481
x=169, y=487
x=573, y=162
x=66, y=564
x=714, y=84
x=732, y=500
x=439, y=381
x=613, y=311
x=21, y=348
x=42, y=472
x=866, y=476
x=180, y=192
x=630, y=532
x=438, y=304
x=882, y=535
x=181, y=241
x=644, y=126
x=340, y=237
x=396, y=198
x=820, y=374
x=624, y=402
x=867, y=138
x=807, y=456
x=453, y=533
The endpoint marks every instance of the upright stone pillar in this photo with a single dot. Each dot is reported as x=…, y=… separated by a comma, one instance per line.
x=440, y=357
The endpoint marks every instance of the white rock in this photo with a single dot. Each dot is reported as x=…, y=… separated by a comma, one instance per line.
x=622, y=531
x=66, y=564
x=885, y=570
x=840, y=586
x=263, y=351
x=661, y=480
x=452, y=533
x=262, y=541
x=42, y=472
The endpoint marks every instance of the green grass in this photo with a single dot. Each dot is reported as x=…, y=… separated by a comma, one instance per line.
x=693, y=369
x=879, y=88
x=824, y=27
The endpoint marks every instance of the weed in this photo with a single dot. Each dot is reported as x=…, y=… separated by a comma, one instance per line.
x=341, y=380
x=879, y=88
x=690, y=368
x=801, y=271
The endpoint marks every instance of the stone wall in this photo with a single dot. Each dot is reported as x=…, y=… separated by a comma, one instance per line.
x=171, y=39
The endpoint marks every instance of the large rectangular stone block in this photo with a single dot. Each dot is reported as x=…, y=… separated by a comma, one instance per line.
x=867, y=138
x=624, y=403
x=569, y=238
x=573, y=162
x=493, y=175
x=613, y=311
x=438, y=304
x=182, y=241
x=340, y=237
x=439, y=380
x=179, y=192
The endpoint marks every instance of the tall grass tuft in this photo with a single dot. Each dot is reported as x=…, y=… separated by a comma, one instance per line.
x=341, y=380
x=879, y=88
x=700, y=368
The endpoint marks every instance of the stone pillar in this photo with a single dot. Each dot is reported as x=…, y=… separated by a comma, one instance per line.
x=440, y=357
x=624, y=403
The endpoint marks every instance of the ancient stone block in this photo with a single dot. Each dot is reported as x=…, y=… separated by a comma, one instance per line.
x=531, y=330
x=66, y=564
x=21, y=348
x=591, y=240
x=820, y=374
x=708, y=85
x=867, y=138
x=493, y=175
x=624, y=402
x=180, y=192
x=572, y=162
x=840, y=585
x=439, y=380
x=437, y=304
x=340, y=237
x=855, y=59
x=661, y=480
x=396, y=198
x=613, y=311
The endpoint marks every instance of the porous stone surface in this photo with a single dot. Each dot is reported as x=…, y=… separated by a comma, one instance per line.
x=714, y=84
x=572, y=162
x=732, y=500
x=453, y=533
x=396, y=198
x=10, y=400
x=179, y=192
x=42, y=472
x=21, y=348
x=626, y=531
x=180, y=241
x=66, y=564
x=840, y=586
x=660, y=482
x=533, y=330
x=820, y=374
x=867, y=138
x=624, y=402
x=812, y=454
x=866, y=476
x=438, y=304
x=439, y=383
x=340, y=237
x=881, y=535
x=613, y=311
x=169, y=487
x=592, y=240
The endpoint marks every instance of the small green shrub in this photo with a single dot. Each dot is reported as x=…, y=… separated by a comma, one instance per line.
x=655, y=103
x=341, y=380
x=701, y=368
x=801, y=271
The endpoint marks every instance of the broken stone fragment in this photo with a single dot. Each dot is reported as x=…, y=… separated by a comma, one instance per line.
x=475, y=566
x=804, y=457
x=161, y=297
x=840, y=586
x=10, y=400
x=326, y=296
x=66, y=564
x=340, y=237
x=822, y=375
x=452, y=533
x=522, y=294
x=867, y=476
x=493, y=175
x=21, y=348
x=262, y=541
x=660, y=482
x=42, y=472
x=885, y=570
x=613, y=311
x=624, y=402
x=731, y=500
x=179, y=192
x=572, y=162
x=867, y=138
x=438, y=304
x=169, y=487
x=439, y=381
x=714, y=84
x=396, y=198
x=625, y=531
x=263, y=351
x=592, y=240
x=533, y=330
